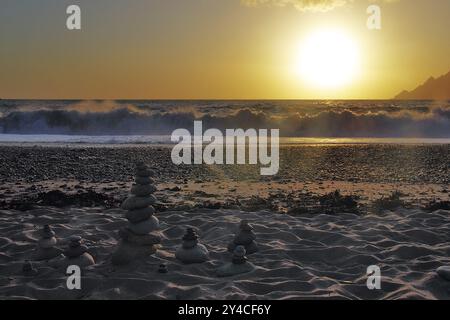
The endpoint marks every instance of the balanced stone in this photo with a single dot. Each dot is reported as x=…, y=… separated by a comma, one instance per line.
x=144, y=180
x=143, y=190
x=134, y=202
x=245, y=237
x=144, y=227
x=190, y=239
x=144, y=172
x=48, y=239
x=191, y=251
x=238, y=264
x=77, y=253
x=75, y=247
x=47, y=243
x=444, y=272
x=138, y=215
x=47, y=232
x=46, y=246
x=139, y=237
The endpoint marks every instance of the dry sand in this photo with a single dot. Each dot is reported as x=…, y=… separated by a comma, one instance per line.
x=308, y=256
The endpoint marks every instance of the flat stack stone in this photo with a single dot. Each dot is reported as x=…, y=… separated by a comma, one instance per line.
x=238, y=264
x=140, y=237
x=77, y=253
x=245, y=238
x=191, y=251
x=46, y=246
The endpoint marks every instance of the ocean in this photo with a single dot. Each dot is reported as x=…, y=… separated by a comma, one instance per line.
x=152, y=122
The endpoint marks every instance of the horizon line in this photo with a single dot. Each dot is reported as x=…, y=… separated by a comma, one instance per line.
x=217, y=99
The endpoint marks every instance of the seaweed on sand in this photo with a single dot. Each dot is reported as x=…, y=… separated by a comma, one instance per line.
x=335, y=202
x=437, y=205
x=59, y=199
x=392, y=202
x=330, y=203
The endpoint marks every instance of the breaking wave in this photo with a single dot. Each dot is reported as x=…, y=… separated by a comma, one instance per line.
x=293, y=118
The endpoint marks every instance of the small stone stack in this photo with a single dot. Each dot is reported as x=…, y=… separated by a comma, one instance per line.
x=77, y=253
x=46, y=247
x=245, y=238
x=238, y=264
x=139, y=238
x=191, y=251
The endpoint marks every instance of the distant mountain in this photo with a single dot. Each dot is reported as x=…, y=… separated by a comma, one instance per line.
x=432, y=89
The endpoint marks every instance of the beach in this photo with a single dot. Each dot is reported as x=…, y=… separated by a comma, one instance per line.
x=205, y=151
x=391, y=210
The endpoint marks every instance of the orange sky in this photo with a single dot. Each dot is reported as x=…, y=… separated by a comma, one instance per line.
x=198, y=49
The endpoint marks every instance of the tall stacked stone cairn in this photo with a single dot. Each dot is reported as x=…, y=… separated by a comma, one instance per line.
x=245, y=238
x=191, y=251
x=77, y=253
x=238, y=264
x=140, y=237
x=46, y=246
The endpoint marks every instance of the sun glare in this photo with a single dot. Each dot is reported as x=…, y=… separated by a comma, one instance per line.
x=328, y=59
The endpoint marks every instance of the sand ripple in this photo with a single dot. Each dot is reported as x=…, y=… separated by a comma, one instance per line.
x=308, y=256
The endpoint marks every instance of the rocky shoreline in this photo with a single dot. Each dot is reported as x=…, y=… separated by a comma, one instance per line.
x=353, y=163
x=312, y=179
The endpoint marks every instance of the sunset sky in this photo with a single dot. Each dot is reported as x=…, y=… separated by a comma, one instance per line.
x=213, y=49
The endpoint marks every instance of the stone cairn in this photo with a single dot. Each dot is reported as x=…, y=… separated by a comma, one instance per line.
x=140, y=237
x=46, y=246
x=77, y=253
x=238, y=264
x=191, y=251
x=245, y=237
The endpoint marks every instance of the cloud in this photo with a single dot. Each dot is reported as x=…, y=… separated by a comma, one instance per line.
x=303, y=5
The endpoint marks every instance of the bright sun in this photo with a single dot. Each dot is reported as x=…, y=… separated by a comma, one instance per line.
x=328, y=59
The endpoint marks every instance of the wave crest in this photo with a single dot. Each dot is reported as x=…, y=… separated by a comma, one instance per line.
x=113, y=118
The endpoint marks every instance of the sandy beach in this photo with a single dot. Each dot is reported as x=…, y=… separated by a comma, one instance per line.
x=391, y=210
